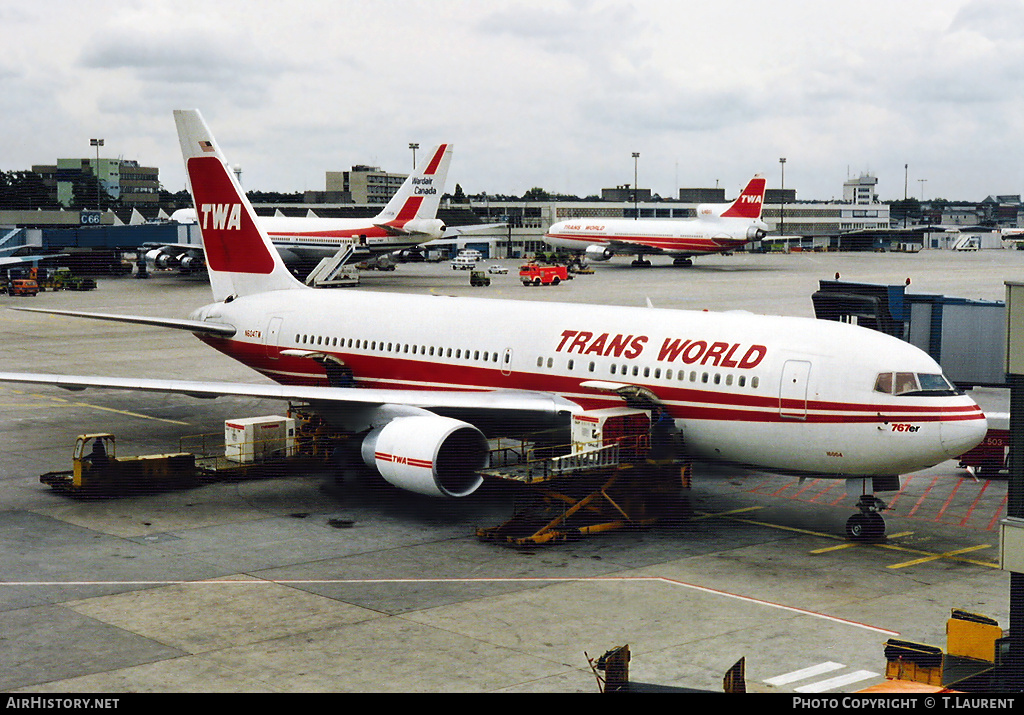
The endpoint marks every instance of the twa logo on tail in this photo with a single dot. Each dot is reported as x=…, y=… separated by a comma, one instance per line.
x=231, y=238
x=749, y=204
x=225, y=217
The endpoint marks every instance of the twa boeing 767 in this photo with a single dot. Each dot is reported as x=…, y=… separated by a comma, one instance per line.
x=425, y=386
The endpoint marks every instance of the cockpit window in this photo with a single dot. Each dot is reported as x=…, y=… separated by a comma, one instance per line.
x=909, y=383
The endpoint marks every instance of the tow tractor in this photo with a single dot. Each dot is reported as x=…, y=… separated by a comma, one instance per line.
x=98, y=471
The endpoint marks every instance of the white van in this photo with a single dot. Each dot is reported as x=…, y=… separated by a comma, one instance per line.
x=464, y=263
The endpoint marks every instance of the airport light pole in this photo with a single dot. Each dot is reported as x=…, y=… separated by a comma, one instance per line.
x=906, y=176
x=96, y=169
x=636, y=188
x=414, y=146
x=922, y=182
x=782, y=198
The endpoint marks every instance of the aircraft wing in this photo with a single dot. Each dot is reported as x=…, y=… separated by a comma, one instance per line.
x=179, y=246
x=502, y=400
x=15, y=260
x=620, y=246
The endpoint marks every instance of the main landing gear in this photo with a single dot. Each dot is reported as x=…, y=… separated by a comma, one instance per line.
x=868, y=525
x=682, y=262
x=641, y=262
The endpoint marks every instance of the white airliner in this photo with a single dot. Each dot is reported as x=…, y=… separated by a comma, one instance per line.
x=425, y=384
x=718, y=228
x=408, y=219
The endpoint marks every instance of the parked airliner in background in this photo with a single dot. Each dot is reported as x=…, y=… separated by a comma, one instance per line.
x=718, y=228
x=426, y=386
x=409, y=219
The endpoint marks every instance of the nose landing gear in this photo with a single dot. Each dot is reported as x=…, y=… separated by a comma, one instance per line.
x=868, y=525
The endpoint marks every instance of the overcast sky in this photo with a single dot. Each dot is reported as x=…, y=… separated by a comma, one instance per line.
x=553, y=93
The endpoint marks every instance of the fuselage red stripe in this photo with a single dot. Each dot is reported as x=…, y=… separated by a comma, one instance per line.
x=383, y=371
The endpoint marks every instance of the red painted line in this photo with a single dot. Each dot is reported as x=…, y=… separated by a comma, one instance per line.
x=977, y=499
x=998, y=516
x=809, y=483
x=921, y=499
x=949, y=500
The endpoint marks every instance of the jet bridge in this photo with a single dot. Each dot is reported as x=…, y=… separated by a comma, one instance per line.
x=966, y=337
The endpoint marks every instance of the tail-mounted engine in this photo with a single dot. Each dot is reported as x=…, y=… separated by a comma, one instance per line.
x=426, y=226
x=428, y=454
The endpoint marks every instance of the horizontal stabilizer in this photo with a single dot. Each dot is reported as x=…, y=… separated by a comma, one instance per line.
x=193, y=326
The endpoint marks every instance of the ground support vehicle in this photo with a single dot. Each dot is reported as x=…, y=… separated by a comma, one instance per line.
x=628, y=474
x=23, y=286
x=97, y=471
x=537, y=274
x=976, y=659
x=479, y=278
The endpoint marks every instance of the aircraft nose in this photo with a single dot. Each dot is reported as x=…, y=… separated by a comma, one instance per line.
x=962, y=436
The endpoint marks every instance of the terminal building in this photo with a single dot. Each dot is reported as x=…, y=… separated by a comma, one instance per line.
x=121, y=180
x=858, y=222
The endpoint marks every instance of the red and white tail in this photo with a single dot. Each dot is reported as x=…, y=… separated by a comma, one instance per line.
x=239, y=255
x=750, y=201
x=414, y=206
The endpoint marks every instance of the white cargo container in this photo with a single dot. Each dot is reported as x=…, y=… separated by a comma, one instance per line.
x=255, y=439
x=593, y=429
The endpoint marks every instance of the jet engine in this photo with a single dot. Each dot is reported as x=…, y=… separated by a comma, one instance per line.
x=161, y=259
x=428, y=454
x=598, y=253
x=191, y=263
x=755, y=234
x=428, y=226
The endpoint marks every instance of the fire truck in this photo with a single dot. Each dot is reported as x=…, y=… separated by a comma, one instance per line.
x=536, y=274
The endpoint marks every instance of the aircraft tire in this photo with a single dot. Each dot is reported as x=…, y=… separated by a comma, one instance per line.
x=865, y=527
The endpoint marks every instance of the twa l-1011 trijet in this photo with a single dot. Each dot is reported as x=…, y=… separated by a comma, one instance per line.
x=424, y=386
x=718, y=228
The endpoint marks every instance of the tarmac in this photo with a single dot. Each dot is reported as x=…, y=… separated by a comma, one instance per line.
x=304, y=584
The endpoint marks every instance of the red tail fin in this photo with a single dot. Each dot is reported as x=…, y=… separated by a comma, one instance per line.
x=750, y=201
x=232, y=241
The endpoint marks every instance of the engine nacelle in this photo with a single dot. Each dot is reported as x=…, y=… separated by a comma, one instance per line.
x=428, y=454
x=191, y=263
x=430, y=226
x=160, y=259
x=598, y=253
x=755, y=234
